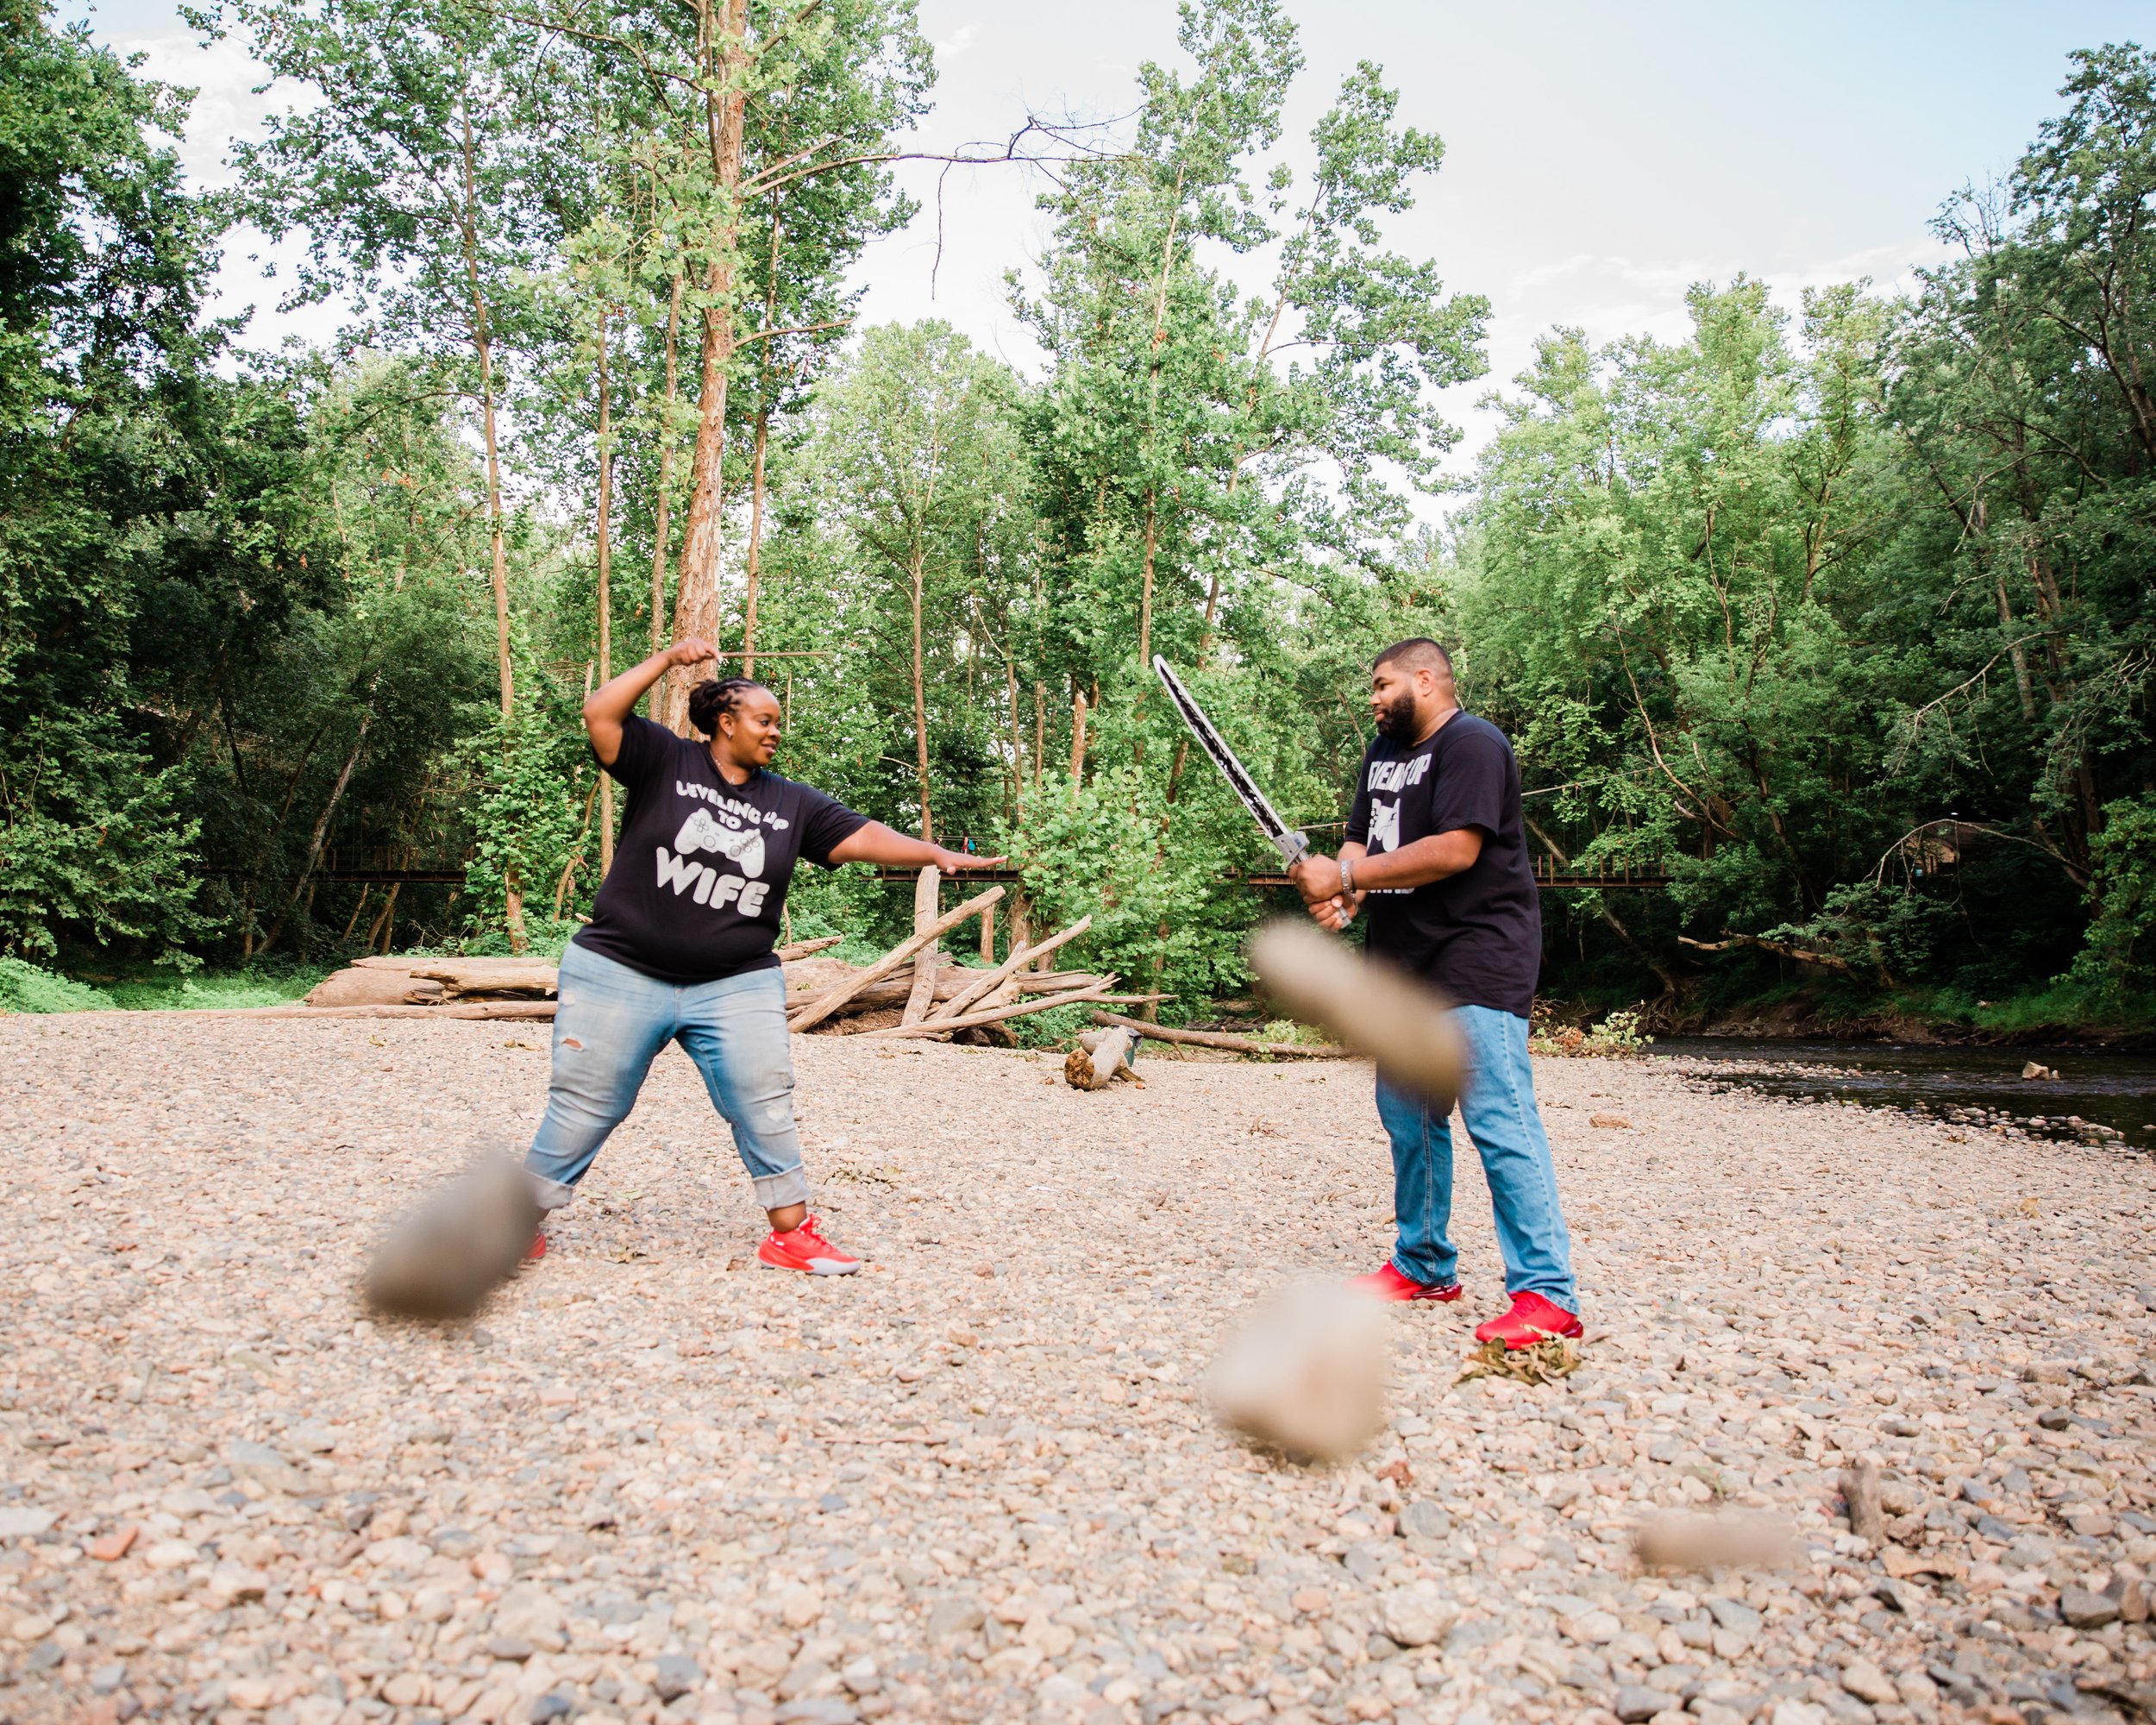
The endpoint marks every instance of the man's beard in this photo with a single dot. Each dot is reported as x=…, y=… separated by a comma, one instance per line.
x=1397, y=718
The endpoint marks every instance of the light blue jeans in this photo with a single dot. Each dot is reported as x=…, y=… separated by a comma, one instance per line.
x=1499, y=1108
x=611, y=1023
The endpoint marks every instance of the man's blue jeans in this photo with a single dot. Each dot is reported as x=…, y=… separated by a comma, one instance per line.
x=611, y=1023
x=1499, y=1107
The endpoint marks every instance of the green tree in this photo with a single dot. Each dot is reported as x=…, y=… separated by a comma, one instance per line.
x=105, y=395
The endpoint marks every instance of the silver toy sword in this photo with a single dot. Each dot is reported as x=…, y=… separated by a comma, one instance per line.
x=1293, y=846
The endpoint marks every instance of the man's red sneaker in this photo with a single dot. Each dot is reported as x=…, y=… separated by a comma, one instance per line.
x=537, y=1249
x=806, y=1248
x=1533, y=1318
x=1389, y=1285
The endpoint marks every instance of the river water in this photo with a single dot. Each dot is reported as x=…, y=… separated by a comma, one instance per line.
x=1972, y=1087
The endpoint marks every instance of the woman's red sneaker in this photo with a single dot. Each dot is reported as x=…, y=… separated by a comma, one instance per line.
x=805, y=1250
x=537, y=1249
x=1533, y=1318
x=1389, y=1285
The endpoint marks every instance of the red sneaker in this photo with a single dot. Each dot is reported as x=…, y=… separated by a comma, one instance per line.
x=1389, y=1285
x=1533, y=1318
x=806, y=1248
x=537, y=1249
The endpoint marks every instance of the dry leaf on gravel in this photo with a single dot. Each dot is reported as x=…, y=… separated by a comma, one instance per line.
x=1544, y=1362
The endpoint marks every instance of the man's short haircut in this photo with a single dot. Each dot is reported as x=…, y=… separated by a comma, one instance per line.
x=1419, y=653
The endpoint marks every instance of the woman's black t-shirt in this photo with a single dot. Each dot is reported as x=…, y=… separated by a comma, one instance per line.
x=1477, y=934
x=702, y=868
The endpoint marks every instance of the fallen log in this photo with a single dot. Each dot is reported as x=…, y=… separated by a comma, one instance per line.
x=832, y=998
x=1043, y=1003
x=1221, y=1039
x=373, y=986
x=950, y=981
x=464, y=976
x=463, y=1009
x=1101, y=1056
x=893, y=991
x=802, y=949
x=1019, y=956
x=1048, y=982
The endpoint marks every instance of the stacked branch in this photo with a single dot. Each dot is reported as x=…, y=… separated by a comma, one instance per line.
x=827, y=1004
x=940, y=998
x=1223, y=1040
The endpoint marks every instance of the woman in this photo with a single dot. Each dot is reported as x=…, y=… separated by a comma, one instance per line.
x=679, y=948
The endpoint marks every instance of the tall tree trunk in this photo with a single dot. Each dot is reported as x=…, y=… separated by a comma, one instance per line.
x=2018, y=655
x=1018, y=745
x=756, y=543
x=1077, y=743
x=723, y=24
x=919, y=572
x=767, y=381
x=321, y=829
x=655, y=706
x=385, y=920
x=1145, y=590
x=482, y=341
x=1152, y=438
x=483, y=345
x=605, y=595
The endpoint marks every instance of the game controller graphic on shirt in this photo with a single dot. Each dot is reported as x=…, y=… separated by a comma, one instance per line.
x=700, y=833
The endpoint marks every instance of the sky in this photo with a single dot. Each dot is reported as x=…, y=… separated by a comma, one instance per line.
x=1600, y=159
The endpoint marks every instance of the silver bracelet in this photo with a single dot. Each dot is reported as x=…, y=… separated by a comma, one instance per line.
x=1347, y=878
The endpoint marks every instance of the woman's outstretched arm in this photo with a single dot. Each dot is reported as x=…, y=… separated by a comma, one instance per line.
x=876, y=843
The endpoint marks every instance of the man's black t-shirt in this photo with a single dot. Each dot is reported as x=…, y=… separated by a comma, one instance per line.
x=1477, y=934
x=703, y=866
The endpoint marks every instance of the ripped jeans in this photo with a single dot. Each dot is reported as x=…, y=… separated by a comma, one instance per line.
x=610, y=1025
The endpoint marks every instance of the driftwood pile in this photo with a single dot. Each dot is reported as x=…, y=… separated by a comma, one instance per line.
x=941, y=999
x=936, y=997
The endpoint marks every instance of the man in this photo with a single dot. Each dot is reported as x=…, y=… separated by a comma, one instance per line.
x=1436, y=849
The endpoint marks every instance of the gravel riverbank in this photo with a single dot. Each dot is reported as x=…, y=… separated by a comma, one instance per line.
x=975, y=1481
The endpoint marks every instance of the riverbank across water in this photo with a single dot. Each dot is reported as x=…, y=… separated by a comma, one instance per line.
x=2082, y=1094
x=977, y=1481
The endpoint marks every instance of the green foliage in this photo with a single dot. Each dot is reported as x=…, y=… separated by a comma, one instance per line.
x=530, y=828
x=1839, y=618
x=1616, y=1037
x=24, y=987
x=1876, y=927
x=1161, y=918
x=97, y=850
x=1057, y=1028
x=2119, y=955
x=225, y=990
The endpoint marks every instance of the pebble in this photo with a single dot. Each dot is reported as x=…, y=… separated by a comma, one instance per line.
x=668, y=1482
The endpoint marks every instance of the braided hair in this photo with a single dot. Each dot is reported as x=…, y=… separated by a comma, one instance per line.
x=709, y=700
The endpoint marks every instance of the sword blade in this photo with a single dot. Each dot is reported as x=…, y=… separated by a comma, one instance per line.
x=1292, y=846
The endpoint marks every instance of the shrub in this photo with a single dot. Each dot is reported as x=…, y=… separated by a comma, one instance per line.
x=26, y=988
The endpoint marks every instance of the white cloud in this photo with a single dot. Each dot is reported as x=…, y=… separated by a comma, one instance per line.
x=957, y=45
x=228, y=105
